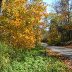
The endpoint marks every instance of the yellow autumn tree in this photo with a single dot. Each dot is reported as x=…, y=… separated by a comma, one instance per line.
x=20, y=22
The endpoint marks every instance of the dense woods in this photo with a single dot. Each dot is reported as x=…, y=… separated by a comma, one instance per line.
x=60, y=26
x=23, y=18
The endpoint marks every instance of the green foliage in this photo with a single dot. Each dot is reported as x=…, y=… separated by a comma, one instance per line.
x=4, y=58
x=54, y=37
x=21, y=60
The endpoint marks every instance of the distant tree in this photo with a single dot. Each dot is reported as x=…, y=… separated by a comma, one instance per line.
x=63, y=8
x=54, y=37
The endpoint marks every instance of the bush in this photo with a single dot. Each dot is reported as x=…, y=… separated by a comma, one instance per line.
x=4, y=57
x=21, y=60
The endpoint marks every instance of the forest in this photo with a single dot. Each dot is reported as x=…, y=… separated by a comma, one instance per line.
x=60, y=25
x=28, y=32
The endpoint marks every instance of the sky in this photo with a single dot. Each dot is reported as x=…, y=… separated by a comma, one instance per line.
x=49, y=8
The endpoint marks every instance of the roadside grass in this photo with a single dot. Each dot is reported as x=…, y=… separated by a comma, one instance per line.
x=34, y=60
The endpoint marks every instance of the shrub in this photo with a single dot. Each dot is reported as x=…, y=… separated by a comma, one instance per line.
x=21, y=60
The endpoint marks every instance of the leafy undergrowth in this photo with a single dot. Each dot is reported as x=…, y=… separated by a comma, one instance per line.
x=21, y=60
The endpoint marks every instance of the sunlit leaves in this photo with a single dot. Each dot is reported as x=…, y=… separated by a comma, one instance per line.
x=22, y=22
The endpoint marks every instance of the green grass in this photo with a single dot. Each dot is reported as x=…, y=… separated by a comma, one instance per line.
x=21, y=60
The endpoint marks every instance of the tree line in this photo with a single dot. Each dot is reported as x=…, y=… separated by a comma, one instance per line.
x=60, y=26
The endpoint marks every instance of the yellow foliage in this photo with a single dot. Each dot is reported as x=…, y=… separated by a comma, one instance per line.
x=18, y=22
x=68, y=27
